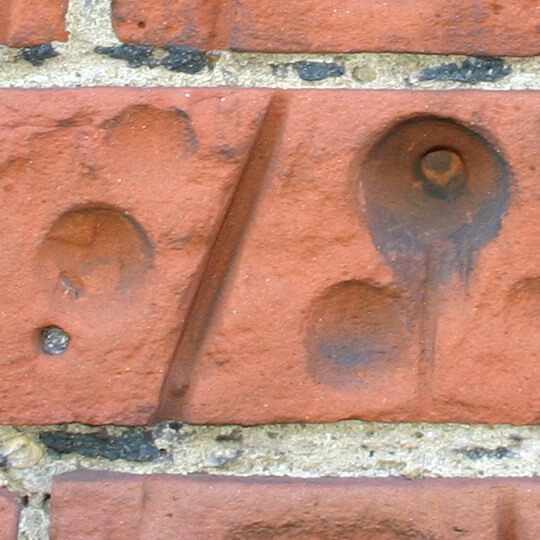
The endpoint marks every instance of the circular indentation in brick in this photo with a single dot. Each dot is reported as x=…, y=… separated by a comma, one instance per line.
x=93, y=255
x=53, y=340
x=431, y=181
x=357, y=328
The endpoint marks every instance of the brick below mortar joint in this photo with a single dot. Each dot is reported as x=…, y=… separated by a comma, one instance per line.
x=33, y=456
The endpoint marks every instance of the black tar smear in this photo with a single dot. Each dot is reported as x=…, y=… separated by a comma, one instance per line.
x=318, y=71
x=473, y=70
x=129, y=446
x=180, y=58
x=38, y=54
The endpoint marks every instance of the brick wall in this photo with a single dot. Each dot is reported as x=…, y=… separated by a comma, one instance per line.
x=228, y=214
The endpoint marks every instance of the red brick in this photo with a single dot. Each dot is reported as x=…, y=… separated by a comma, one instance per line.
x=10, y=507
x=95, y=505
x=26, y=23
x=483, y=27
x=314, y=286
x=117, y=194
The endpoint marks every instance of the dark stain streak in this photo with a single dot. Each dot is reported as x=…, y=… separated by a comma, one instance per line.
x=193, y=139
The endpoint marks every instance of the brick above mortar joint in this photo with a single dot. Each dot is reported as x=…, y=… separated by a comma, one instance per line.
x=29, y=23
x=89, y=22
x=425, y=26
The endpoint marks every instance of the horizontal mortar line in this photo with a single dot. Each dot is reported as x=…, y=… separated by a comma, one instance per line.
x=245, y=69
x=348, y=449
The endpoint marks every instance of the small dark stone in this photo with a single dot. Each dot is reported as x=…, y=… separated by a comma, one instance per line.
x=4, y=464
x=176, y=426
x=184, y=59
x=129, y=446
x=473, y=70
x=478, y=452
x=136, y=55
x=234, y=435
x=317, y=71
x=38, y=54
x=280, y=71
x=54, y=340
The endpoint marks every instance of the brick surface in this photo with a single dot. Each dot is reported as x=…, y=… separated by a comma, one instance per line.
x=10, y=507
x=26, y=23
x=106, y=505
x=118, y=194
x=482, y=27
x=251, y=256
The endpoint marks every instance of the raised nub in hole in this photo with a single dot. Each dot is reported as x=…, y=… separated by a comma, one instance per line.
x=443, y=173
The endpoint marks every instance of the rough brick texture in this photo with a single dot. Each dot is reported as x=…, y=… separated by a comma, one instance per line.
x=94, y=505
x=26, y=23
x=483, y=27
x=10, y=507
x=250, y=256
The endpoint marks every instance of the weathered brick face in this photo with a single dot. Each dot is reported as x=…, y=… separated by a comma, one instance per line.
x=300, y=256
x=437, y=26
x=10, y=507
x=27, y=23
x=160, y=506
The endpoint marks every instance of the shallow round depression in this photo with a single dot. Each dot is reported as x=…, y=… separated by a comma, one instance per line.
x=94, y=255
x=355, y=330
x=430, y=179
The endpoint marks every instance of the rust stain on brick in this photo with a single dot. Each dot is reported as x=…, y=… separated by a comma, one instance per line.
x=436, y=194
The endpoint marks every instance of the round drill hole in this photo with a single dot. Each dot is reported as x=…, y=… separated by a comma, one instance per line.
x=54, y=340
x=443, y=173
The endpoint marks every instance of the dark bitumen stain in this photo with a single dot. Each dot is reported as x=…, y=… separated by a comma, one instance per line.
x=478, y=452
x=318, y=71
x=181, y=59
x=38, y=54
x=184, y=59
x=129, y=446
x=135, y=55
x=473, y=70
